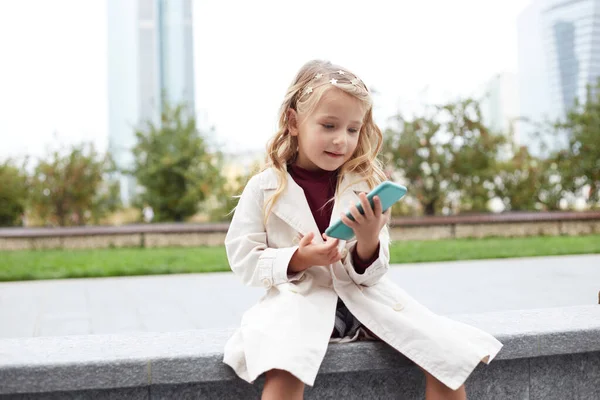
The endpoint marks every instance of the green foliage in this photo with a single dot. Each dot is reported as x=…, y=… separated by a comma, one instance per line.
x=528, y=183
x=579, y=163
x=13, y=194
x=414, y=150
x=517, y=182
x=446, y=150
x=69, y=187
x=174, y=165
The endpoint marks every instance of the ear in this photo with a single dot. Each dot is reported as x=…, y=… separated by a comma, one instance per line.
x=292, y=117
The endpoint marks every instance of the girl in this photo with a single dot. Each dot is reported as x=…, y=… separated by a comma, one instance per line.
x=319, y=289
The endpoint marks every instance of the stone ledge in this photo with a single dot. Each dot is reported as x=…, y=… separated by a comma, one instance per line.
x=513, y=224
x=97, y=362
x=221, y=227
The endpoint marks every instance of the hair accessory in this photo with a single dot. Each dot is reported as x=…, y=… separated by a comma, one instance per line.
x=334, y=78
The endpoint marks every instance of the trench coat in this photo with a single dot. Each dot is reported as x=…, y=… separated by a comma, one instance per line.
x=290, y=326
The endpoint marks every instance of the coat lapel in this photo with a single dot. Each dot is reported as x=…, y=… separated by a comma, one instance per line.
x=292, y=206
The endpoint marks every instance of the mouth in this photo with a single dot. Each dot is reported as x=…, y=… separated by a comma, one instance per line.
x=334, y=155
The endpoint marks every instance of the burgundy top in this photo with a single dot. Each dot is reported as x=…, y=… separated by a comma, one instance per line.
x=319, y=187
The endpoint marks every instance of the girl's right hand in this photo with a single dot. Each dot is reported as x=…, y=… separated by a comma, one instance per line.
x=310, y=254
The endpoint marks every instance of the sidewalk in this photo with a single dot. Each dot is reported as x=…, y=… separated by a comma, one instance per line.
x=197, y=301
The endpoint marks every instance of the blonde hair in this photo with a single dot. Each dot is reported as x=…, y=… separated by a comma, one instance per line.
x=282, y=149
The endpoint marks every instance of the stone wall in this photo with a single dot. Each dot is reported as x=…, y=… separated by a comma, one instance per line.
x=194, y=235
x=548, y=354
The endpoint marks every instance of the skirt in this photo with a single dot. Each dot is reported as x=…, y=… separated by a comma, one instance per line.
x=347, y=328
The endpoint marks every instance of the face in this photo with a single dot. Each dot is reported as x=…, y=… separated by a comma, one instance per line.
x=328, y=136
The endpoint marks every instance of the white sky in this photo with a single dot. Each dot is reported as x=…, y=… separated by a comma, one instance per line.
x=53, y=65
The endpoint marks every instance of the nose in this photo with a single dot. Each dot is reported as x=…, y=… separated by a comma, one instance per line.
x=339, y=139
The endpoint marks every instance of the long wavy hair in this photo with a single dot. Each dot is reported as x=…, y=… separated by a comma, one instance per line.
x=282, y=149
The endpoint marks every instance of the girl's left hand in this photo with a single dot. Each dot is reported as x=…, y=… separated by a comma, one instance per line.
x=367, y=226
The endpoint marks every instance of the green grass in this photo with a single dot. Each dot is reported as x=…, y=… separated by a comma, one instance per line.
x=52, y=264
x=475, y=249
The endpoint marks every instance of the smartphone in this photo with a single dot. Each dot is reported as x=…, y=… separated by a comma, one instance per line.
x=388, y=192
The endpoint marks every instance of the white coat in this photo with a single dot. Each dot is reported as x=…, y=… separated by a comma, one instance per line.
x=290, y=327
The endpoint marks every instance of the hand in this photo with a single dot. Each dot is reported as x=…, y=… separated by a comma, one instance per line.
x=367, y=226
x=310, y=254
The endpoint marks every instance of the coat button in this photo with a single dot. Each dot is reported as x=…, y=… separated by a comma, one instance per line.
x=398, y=307
x=266, y=282
x=344, y=252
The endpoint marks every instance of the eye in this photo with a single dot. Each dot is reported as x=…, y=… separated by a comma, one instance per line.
x=353, y=130
x=327, y=126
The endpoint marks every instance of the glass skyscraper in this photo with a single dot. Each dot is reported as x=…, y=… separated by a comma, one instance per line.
x=150, y=54
x=571, y=34
x=559, y=54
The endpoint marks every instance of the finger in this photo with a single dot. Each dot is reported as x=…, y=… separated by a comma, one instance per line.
x=377, y=207
x=368, y=210
x=329, y=238
x=347, y=221
x=307, y=239
x=358, y=217
x=332, y=243
x=332, y=254
x=325, y=248
x=337, y=256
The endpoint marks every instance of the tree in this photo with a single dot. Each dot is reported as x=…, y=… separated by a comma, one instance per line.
x=527, y=183
x=415, y=151
x=69, y=186
x=579, y=162
x=475, y=151
x=13, y=195
x=447, y=150
x=174, y=165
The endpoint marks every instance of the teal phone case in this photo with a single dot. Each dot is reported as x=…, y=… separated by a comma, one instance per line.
x=388, y=192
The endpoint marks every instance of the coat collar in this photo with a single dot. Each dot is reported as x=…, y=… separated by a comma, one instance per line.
x=293, y=208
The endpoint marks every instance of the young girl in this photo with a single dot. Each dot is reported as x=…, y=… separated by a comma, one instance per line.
x=319, y=289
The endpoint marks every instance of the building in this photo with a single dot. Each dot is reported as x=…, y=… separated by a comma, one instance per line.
x=571, y=39
x=559, y=54
x=534, y=102
x=150, y=55
x=500, y=103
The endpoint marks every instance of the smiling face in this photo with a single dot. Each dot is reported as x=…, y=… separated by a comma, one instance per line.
x=328, y=136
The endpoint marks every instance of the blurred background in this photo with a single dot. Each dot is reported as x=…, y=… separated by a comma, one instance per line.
x=128, y=128
x=122, y=111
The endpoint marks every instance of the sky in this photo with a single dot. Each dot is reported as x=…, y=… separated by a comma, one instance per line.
x=53, y=68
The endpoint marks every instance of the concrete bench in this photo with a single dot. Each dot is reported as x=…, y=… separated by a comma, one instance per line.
x=548, y=354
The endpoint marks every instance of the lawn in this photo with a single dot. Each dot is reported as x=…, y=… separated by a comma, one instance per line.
x=52, y=264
